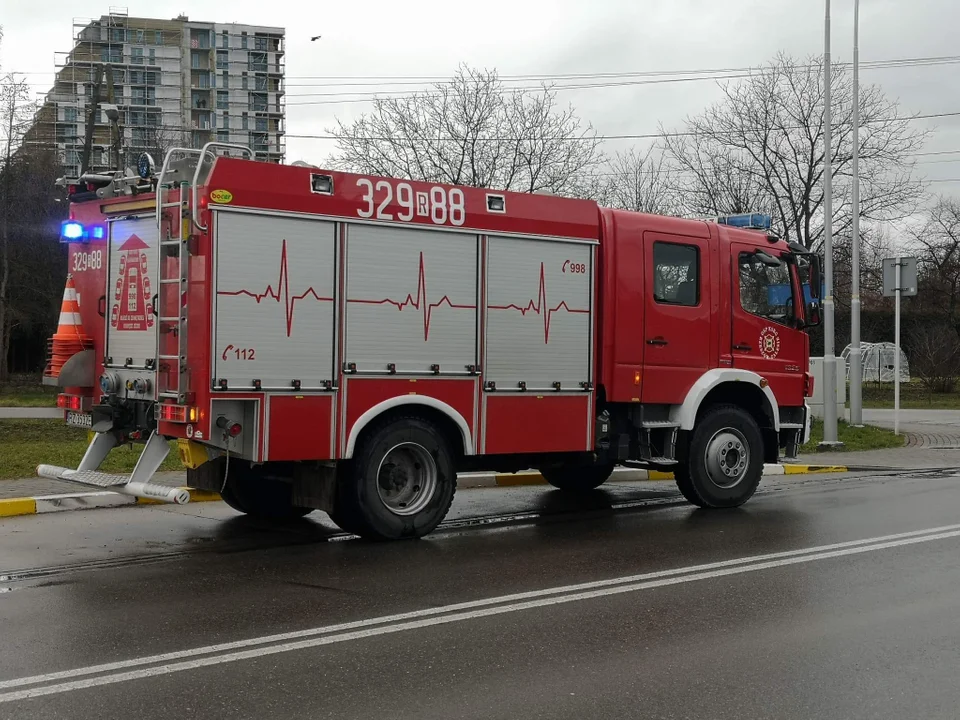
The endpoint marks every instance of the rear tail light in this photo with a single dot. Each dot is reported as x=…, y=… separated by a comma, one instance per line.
x=69, y=402
x=178, y=413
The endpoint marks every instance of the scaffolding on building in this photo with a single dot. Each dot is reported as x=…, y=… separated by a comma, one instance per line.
x=173, y=83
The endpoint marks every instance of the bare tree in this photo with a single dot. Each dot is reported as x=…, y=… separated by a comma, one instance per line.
x=638, y=181
x=763, y=145
x=937, y=241
x=153, y=139
x=15, y=112
x=710, y=179
x=935, y=356
x=472, y=131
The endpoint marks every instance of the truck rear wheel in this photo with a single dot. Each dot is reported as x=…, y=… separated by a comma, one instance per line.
x=577, y=478
x=725, y=459
x=400, y=483
x=249, y=491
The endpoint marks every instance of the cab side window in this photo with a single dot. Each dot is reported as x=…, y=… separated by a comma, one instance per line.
x=765, y=289
x=676, y=274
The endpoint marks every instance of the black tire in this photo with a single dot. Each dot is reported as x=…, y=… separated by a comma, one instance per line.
x=250, y=492
x=577, y=478
x=400, y=483
x=724, y=459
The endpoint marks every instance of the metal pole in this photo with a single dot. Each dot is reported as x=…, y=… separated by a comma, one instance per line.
x=856, y=368
x=85, y=165
x=829, y=357
x=114, y=144
x=896, y=356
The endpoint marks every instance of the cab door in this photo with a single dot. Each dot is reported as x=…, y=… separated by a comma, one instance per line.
x=677, y=318
x=766, y=334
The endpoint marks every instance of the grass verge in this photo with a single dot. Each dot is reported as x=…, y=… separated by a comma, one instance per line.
x=913, y=396
x=24, y=444
x=16, y=395
x=855, y=438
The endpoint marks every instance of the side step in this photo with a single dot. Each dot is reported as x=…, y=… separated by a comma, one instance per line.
x=137, y=484
x=793, y=433
x=647, y=462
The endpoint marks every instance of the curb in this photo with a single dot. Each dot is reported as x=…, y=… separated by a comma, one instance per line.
x=89, y=501
x=85, y=501
x=629, y=474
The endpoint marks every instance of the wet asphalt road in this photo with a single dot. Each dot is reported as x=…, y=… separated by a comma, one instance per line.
x=824, y=597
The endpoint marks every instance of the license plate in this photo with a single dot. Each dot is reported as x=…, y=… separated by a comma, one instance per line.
x=77, y=419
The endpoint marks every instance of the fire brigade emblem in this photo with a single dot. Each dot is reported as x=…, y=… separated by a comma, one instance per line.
x=769, y=342
x=131, y=309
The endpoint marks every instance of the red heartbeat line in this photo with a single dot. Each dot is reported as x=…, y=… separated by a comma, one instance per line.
x=419, y=302
x=539, y=305
x=282, y=291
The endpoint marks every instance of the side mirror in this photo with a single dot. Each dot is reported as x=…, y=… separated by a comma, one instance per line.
x=816, y=283
x=813, y=315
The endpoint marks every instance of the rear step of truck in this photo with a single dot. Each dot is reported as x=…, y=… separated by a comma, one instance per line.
x=136, y=484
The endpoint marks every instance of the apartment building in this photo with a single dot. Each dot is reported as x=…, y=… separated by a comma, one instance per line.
x=176, y=82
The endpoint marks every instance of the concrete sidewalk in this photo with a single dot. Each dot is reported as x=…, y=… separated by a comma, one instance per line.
x=910, y=457
x=931, y=441
x=30, y=413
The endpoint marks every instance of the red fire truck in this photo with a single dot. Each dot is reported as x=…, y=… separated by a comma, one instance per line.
x=323, y=340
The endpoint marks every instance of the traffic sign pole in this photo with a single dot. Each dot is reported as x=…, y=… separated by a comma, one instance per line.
x=899, y=280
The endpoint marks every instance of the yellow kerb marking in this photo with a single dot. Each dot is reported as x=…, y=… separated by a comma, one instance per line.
x=18, y=506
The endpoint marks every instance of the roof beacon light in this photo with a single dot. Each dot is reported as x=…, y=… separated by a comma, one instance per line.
x=71, y=231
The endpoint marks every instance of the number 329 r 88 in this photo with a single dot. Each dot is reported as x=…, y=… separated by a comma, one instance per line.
x=440, y=205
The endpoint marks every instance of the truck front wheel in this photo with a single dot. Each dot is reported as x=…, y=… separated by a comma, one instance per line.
x=725, y=459
x=577, y=478
x=400, y=483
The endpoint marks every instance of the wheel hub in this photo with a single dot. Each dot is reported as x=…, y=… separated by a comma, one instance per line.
x=407, y=479
x=727, y=458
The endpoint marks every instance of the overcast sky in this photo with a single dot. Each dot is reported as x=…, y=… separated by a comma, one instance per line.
x=430, y=38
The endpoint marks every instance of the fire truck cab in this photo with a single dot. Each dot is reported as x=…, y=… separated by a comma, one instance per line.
x=323, y=340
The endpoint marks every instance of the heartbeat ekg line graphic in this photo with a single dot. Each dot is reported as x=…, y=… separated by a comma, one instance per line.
x=539, y=306
x=418, y=302
x=282, y=291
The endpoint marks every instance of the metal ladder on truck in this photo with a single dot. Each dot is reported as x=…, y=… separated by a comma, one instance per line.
x=174, y=231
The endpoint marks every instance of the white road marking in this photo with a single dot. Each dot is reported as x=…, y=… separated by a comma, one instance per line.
x=458, y=612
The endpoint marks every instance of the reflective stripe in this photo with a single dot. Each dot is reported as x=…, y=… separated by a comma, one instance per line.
x=70, y=318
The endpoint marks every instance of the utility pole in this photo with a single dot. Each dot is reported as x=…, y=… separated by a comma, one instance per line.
x=91, y=117
x=114, y=124
x=830, y=439
x=856, y=367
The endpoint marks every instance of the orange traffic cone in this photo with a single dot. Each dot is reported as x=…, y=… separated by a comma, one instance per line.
x=69, y=338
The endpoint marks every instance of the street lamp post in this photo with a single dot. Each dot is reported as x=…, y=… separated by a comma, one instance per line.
x=856, y=369
x=830, y=439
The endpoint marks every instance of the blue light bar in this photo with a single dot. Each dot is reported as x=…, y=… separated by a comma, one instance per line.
x=751, y=221
x=71, y=231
